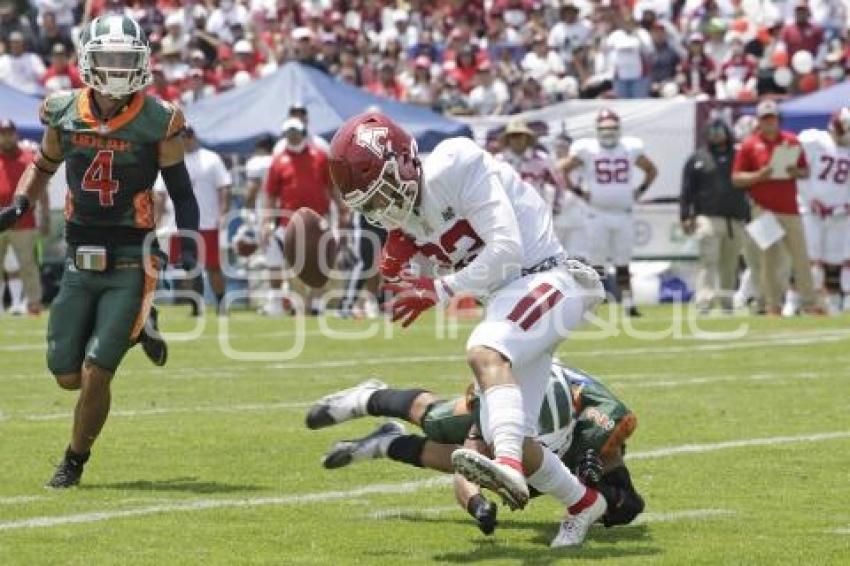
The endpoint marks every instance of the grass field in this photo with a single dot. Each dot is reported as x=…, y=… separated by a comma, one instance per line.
x=742, y=451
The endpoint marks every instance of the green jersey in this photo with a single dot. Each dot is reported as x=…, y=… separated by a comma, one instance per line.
x=111, y=166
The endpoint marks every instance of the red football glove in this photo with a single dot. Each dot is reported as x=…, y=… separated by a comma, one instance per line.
x=413, y=296
x=396, y=254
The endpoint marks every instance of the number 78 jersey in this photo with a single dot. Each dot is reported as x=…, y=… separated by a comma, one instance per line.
x=609, y=172
x=829, y=180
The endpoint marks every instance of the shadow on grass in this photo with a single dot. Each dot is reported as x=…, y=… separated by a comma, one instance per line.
x=186, y=484
x=603, y=542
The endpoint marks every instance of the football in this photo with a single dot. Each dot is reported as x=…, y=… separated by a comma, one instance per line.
x=309, y=247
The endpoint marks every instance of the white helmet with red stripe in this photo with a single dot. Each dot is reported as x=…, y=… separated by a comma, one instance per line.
x=607, y=127
x=839, y=126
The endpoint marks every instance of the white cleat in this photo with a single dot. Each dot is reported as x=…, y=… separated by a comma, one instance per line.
x=369, y=447
x=498, y=478
x=343, y=405
x=574, y=529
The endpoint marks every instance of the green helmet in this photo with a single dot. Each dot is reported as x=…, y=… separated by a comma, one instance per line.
x=115, y=56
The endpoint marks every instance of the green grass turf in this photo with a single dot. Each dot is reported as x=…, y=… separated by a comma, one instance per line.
x=228, y=435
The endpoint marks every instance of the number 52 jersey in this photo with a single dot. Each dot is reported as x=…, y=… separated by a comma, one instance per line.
x=111, y=166
x=609, y=172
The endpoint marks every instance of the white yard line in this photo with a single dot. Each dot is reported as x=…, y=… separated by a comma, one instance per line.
x=377, y=489
x=676, y=516
x=840, y=531
x=21, y=499
x=172, y=410
x=743, y=443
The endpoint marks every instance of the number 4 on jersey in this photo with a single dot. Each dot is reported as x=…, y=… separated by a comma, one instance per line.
x=98, y=178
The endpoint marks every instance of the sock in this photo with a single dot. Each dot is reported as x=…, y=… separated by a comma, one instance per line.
x=219, y=298
x=474, y=504
x=588, y=499
x=16, y=290
x=392, y=402
x=407, y=449
x=275, y=303
x=555, y=479
x=845, y=279
x=2, y=291
x=76, y=460
x=627, y=300
x=506, y=423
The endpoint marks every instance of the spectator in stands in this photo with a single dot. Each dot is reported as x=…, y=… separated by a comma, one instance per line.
x=161, y=88
x=20, y=68
x=305, y=49
x=540, y=62
x=665, y=59
x=697, y=73
x=801, y=33
x=14, y=159
x=222, y=19
x=570, y=31
x=62, y=74
x=629, y=50
x=421, y=92
x=175, y=38
x=386, y=84
x=714, y=211
x=50, y=35
x=490, y=96
x=195, y=88
x=777, y=196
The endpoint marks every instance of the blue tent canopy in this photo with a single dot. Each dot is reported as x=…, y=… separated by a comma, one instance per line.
x=813, y=110
x=234, y=120
x=22, y=109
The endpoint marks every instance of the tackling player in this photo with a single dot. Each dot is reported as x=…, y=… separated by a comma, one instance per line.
x=607, y=163
x=580, y=420
x=114, y=140
x=489, y=234
x=825, y=205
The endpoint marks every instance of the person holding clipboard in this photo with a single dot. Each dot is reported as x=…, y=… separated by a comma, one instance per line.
x=767, y=165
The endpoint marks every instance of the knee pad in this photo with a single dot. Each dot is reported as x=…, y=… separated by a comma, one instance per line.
x=832, y=278
x=624, y=280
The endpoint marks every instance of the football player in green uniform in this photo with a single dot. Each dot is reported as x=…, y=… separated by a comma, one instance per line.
x=115, y=140
x=580, y=420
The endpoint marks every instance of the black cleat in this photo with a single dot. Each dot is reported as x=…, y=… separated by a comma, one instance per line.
x=633, y=312
x=67, y=475
x=485, y=517
x=151, y=340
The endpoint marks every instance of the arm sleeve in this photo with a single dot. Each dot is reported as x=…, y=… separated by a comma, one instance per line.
x=489, y=212
x=186, y=212
x=686, y=201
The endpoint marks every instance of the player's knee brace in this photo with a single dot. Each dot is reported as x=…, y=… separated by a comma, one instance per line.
x=832, y=278
x=624, y=280
x=407, y=449
x=624, y=502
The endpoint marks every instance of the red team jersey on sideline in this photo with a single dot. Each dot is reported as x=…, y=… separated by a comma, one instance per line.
x=11, y=168
x=298, y=180
x=775, y=195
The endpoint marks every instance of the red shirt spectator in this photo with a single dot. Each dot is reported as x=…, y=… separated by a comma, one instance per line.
x=387, y=85
x=161, y=89
x=12, y=166
x=61, y=74
x=755, y=152
x=299, y=176
x=802, y=35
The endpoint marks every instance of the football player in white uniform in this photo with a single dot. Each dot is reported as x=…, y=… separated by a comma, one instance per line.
x=492, y=236
x=825, y=204
x=608, y=164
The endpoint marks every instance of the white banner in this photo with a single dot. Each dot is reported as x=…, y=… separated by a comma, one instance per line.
x=665, y=126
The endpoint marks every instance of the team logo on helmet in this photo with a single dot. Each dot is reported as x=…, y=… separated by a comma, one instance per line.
x=373, y=138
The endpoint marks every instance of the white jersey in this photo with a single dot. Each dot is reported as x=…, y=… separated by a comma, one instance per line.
x=209, y=176
x=256, y=169
x=828, y=184
x=535, y=167
x=610, y=173
x=477, y=218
